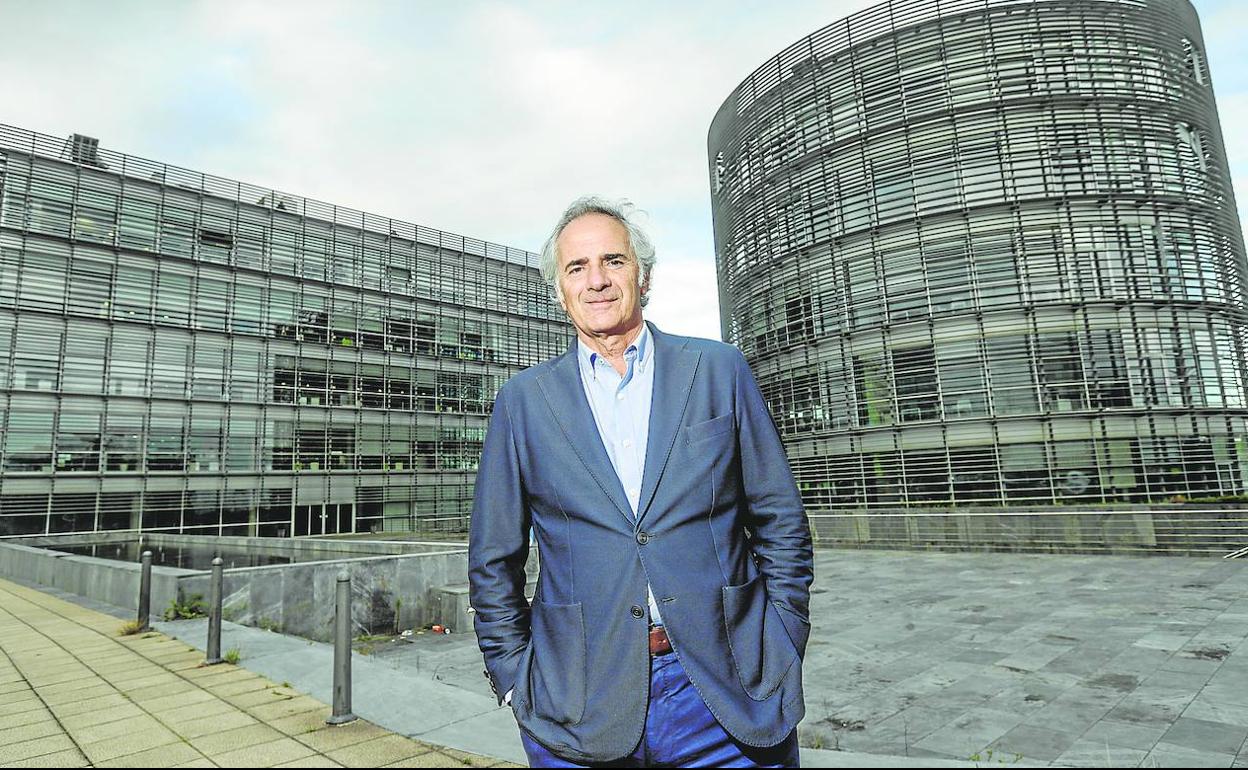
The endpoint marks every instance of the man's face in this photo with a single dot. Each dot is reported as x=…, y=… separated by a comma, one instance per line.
x=599, y=278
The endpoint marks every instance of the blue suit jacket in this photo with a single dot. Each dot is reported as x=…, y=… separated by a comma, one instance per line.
x=720, y=537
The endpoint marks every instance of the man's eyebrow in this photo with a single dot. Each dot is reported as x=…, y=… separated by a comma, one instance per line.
x=585, y=260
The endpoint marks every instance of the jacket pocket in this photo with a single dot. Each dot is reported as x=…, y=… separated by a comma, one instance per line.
x=761, y=648
x=557, y=667
x=709, y=429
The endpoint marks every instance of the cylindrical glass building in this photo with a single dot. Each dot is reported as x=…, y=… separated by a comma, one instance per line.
x=987, y=253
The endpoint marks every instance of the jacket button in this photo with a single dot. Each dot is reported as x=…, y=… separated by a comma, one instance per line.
x=637, y=611
x=643, y=538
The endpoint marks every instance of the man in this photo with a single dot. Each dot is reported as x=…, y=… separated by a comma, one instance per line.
x=671, y=610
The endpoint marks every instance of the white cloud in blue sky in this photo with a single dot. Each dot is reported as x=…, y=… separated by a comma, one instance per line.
x=482, y=118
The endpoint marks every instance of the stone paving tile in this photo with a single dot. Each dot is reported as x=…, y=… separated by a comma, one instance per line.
x=1173, y=702
x=981, y=656
x=333, y=737
x=873, y=708
x=184, y=696
x=305, y=722
x=129, y=743
x=194, y=727
x=1229, y=692
x=205, y=709
x=169, y=755
x=72, y=722
x=1206, y=736
x=1130, y=736
x=154, y=693
x=876, y=740
x=27, y=750
x=1081, y=661
x=379, y=751
x=21, y=718
x=969, y=733
x=1136, y=711
x=223, y=741
x=1074, y=711
x=263, y=754
x=312, y=761
x=1034, y=743
x=212, y=676
x=113, y=729
x=241, y=686
x=1169, y=755
x=1187, y=664
x=19, y=703
x=252, y=698
x=63, y=758
x=18, y=733
x=915, y=723
x=1214, y=710
x=431, y=759
x=1167, y=680
x=1089, y=753
x=60, y=676
x=146, y=683
x=471, y=760
x=70, y=696
x=189, y=664
x=286, y=707
x=134, y=674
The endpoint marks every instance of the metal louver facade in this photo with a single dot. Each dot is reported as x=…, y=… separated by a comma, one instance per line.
x=187, y=353
x=987, y=253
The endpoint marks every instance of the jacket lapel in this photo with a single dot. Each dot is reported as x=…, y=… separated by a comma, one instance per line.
x=674, y=367
x=565, y=395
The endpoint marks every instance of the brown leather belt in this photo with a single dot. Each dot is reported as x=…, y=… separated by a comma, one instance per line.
x=659, y=643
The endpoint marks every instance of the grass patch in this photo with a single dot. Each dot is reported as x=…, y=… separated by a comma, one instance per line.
x=191, y=608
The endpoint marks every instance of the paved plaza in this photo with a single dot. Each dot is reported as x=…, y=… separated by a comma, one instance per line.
x=916, y=659
x=75, y=694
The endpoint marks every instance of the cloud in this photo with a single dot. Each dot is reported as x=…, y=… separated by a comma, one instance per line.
x=482, y=118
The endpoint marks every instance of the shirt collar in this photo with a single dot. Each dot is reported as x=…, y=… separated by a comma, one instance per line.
x=590, y=359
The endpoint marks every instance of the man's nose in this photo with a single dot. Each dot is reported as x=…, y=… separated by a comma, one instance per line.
x=598, y=278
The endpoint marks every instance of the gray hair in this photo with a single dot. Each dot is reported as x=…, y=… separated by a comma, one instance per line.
x=623, y=212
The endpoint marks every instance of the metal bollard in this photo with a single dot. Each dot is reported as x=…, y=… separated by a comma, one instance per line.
x=145, y=591
x=342, y=654
x=214, y=613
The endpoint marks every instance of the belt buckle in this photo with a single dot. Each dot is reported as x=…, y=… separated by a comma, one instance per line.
x=658, y=641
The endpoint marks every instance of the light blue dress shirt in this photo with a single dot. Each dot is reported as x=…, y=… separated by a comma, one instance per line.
x=621, y=407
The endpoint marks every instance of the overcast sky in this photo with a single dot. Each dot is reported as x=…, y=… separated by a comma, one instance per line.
x=481, y=118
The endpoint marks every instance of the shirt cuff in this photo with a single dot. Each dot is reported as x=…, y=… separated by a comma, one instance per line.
x=507, y=697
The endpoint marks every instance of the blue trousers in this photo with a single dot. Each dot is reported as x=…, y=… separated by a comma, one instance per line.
x=680, y=732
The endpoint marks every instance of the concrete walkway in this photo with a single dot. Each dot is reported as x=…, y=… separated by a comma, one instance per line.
x=915, y=660
x=921, y=659
x=73, y=693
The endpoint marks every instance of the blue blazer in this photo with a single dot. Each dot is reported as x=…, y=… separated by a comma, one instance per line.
x=720, y=537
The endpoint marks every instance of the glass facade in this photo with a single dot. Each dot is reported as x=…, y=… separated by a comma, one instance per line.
x=987, y=254
x=188, y=353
